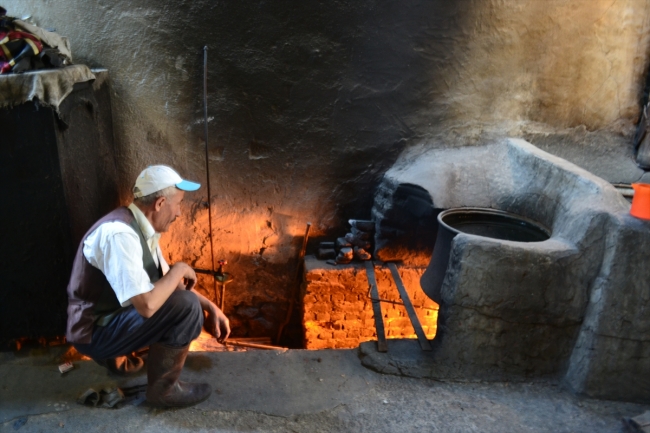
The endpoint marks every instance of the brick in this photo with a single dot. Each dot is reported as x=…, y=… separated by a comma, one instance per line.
x=308, y=316
x=313, y=276
x=392, y=313
x=319, y=344
x=323, y=291
x=337, y=315
x=324, y=298
x=354, y=333
x=320, y=307
x=309, y=299
x=342, y=344
x=323, y=317
x=352, y=342
x=353, y=324
x=368, y=332
x=338, y=298
x=366, y=314
x=401, y=323
x=350, y=307
x=339, y=335
x=351, y=297
x=325, y=336
x=318, y=287
x=430, y=326
x=338, y=287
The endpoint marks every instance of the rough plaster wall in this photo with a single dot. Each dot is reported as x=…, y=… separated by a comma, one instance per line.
x=557, y=62
x=311, y=102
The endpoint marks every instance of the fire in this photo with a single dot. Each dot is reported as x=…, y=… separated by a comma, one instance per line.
x=338, y=309
x=207, y=343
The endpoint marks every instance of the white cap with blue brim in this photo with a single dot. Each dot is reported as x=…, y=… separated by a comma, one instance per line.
x=157, y=177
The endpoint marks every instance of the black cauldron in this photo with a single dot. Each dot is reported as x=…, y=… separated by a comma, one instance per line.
x=490, y=223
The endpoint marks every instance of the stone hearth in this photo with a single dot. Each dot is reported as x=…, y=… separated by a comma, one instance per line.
x=573, y=306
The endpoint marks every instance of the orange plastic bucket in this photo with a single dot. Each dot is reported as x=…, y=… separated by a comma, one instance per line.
x=641, y=201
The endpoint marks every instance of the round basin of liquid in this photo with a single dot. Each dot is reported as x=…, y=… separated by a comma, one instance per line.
x=492, y=223
x=489, y=223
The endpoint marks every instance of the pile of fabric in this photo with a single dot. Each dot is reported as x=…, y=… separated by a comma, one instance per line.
x=26, y=47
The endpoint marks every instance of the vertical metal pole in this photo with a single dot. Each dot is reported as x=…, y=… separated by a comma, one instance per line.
x=223, y=295
x=207, y=168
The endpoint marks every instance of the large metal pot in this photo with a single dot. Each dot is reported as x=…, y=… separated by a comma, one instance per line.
x=486, y=222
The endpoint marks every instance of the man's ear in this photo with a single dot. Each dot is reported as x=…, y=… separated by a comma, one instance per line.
x=158, y=204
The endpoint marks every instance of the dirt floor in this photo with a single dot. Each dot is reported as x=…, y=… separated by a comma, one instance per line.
x=294, y=391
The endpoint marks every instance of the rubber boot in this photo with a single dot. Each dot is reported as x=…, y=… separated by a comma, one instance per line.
x=163, y=370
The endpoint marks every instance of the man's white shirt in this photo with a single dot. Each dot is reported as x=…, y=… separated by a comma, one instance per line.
x=114, y=248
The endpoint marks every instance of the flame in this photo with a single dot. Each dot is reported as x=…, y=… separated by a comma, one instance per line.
x=338, y=310
x=207, y=343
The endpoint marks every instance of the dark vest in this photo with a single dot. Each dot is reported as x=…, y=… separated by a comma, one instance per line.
x=91, y=299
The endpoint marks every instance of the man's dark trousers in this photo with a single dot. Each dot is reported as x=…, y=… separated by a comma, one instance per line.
x=178, y=321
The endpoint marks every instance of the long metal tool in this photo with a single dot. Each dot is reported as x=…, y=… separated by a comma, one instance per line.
x=296, y=281
x=422, y=338
x=207, y=167
x=388, y=301
x=382, y=345
x=253, y=345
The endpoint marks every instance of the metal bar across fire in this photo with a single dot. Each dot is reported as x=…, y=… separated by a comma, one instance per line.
x=373, y=294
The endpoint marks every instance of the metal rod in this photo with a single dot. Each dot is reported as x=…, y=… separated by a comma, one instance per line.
x=204, y=271
x=207, y=165
x=253, y=345
x=388, y=301
x=292, y=300
x=382, y=344
x=222, y=295
x=415, y=321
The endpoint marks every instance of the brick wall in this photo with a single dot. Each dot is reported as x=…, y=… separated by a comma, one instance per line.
x=337, y=311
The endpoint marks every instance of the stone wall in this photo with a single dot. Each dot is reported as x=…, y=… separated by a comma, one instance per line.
x=338, y=310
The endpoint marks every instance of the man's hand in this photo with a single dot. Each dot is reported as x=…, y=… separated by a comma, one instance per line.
x=217, y=324
x=189, y=277
x=146, y=304
x=184, y=284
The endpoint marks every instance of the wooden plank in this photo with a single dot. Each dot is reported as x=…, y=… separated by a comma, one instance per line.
x=422, y=338
x=382, y=345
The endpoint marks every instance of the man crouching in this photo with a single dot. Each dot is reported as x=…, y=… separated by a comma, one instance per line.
x=123, y=296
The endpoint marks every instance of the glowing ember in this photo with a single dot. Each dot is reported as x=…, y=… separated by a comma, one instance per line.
x=207, y=343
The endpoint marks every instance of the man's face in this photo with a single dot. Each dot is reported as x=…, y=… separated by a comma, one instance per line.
x=167, y=209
